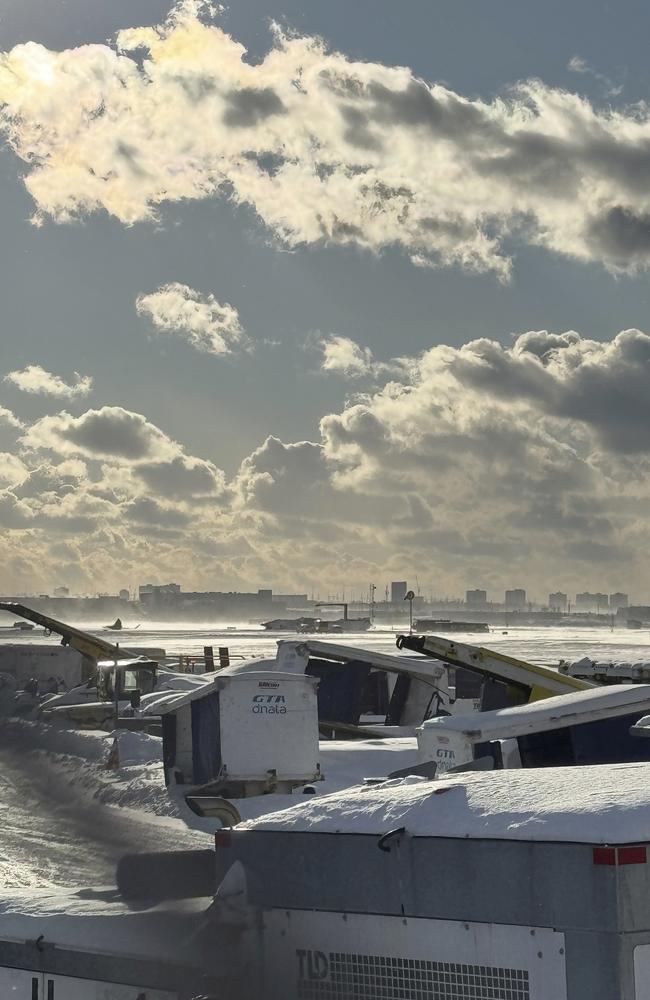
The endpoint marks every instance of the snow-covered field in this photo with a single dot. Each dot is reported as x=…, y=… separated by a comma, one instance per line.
x=68, y=816
x=66, y=821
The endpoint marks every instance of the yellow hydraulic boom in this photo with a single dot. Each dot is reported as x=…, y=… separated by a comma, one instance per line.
x=530, y=680
x=88, y=645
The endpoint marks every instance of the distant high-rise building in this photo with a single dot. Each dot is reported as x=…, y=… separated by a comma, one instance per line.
x=617, y=601
x=592, y=602
x=398, y=590
x=515, y=599
x=476, y=598
x=558, y=601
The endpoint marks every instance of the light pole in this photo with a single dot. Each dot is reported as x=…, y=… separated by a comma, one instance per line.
x=410, y=597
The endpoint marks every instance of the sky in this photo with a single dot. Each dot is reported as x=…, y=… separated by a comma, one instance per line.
x=312, y=296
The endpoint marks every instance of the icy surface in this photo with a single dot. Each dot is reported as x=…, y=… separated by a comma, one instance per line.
x=596, y=805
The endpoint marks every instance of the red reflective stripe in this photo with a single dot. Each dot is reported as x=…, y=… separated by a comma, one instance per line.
x=620, y=855
x=604, y=855
x=631, y=855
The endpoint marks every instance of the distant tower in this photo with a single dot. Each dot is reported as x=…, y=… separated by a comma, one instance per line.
x=515, y=599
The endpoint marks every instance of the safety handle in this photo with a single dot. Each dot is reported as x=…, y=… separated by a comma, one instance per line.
x=384, y=841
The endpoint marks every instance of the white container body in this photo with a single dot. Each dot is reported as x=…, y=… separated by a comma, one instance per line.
x=269, y=722
x=314, y=955
x=446, y=748
x=27, y=661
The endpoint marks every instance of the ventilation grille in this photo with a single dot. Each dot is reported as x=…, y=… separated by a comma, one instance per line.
x=340, y=976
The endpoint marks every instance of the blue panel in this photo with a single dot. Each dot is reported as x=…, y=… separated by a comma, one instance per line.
x=340, y=690
x=604, y=741
x=206, y=739
x=609, y=741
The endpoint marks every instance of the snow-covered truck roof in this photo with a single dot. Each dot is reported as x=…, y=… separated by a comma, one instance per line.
x=601, y=804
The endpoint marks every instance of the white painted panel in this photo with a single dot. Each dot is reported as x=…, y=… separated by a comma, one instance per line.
x=313, y=955
x=642, y=971
x=67, y=988
x=17, y=985
x=269, y=721
x=184, y=757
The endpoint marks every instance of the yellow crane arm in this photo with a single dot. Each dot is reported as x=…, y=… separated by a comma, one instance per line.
x=539, y=682
x=89, y=645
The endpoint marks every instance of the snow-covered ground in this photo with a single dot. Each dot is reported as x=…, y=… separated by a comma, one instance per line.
x=67, y=817
x=58, y=825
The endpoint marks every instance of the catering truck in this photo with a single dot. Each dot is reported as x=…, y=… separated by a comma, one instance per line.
x=597, y=726
x=508, y=885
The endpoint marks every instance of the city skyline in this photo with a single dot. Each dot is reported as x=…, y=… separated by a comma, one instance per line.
x=515, y=598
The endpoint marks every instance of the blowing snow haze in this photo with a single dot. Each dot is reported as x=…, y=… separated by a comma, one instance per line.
x=324, y=295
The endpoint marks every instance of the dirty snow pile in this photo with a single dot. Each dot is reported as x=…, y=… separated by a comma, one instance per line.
x=87, y=763
x=604, y=804
x=125, y=768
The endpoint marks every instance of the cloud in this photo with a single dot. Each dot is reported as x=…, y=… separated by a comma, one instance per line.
x=148, y=512
x=292, y=483
x=110, y=432
x=325, y=149
x=601, y=385
x=13, y=471
x=507, y=458
x=183, y=476
x=579, y=65
x=479, y=465
x=341, y=354
x=132, y=455
x=50, y=481
x=10, y=419
x=36, y=380
x=204, y=323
